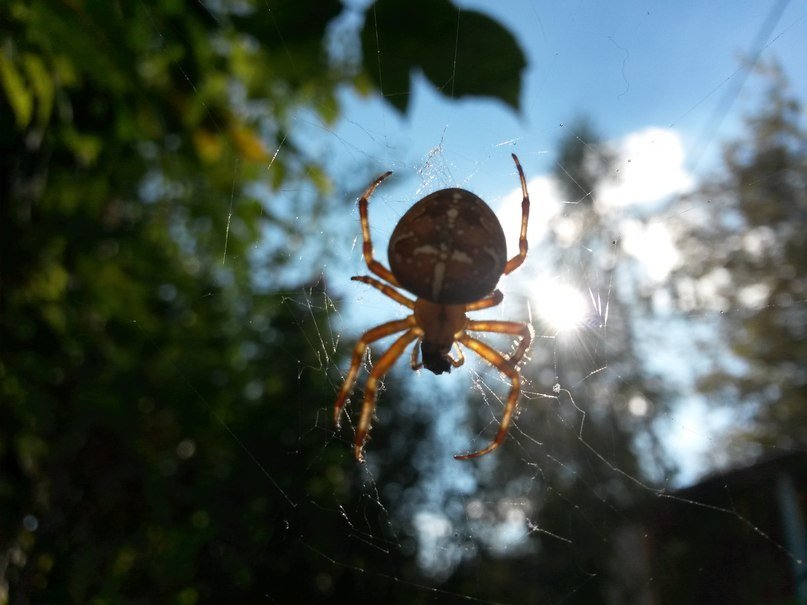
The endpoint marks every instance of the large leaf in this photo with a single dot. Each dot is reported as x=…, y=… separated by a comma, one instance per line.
x=463, y=53
x=299, y=57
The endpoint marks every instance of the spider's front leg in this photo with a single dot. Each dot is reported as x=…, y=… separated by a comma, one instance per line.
x=515, y=262
x=367, y=247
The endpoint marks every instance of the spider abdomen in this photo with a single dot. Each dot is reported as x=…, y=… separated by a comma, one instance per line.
x=448, y=248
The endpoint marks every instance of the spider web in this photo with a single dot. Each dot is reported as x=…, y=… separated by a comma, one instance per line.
x=506, y=518
x=454, y=513
x=458, y=513
x=589, y=441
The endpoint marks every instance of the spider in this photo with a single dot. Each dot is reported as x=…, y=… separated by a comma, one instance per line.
x=449, y=251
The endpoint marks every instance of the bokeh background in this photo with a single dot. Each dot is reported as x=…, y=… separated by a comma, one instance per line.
x=178, y=226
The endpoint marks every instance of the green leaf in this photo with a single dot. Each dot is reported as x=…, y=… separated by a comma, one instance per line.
x=298, y=58
x=42, y=85
x=18, y=95
x=463, y=53
x=308, y=19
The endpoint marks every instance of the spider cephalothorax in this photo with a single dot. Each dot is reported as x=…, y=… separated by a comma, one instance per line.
x=449, y=251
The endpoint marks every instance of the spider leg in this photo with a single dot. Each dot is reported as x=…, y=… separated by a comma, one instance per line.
x=368, y=337
x=460, y=356
x=372, y=264
x=380, y=368
x=416, y=365
x=516, y=261
x=523, y=330
x=495, y=298
x=506, y=367
x=388, y=290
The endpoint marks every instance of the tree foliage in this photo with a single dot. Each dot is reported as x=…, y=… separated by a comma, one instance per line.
x=157, y=401
x=743, y=238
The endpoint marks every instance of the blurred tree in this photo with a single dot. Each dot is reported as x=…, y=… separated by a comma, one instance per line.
x=614, y=451
x=156, y=400
x=595, y=446
x=575, y=461
x=626, y=396
x=746, y=256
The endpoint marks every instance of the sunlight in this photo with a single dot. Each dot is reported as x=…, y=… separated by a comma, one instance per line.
x=560, y=305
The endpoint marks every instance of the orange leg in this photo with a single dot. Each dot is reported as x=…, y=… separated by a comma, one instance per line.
x=381, y=367
x=358, y=354
x=372, y=264
x=506, y=367
x=416, y=365
x=515, y=262
x=507, y=327
x=460, y=357
x=495, y=298
x=388, y=290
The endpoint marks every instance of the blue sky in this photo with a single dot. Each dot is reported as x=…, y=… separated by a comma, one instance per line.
x=627, y=65
x=662, y=82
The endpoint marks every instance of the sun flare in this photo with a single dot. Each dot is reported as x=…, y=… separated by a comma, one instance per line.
x=561, y=306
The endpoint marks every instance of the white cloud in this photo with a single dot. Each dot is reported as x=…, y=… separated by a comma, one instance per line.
x=652, y=244
x=650, y=166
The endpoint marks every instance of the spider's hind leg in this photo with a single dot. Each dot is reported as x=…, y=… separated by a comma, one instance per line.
x=524, y=330
x=366, y=339
x=506, y=367
x=381, y=367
